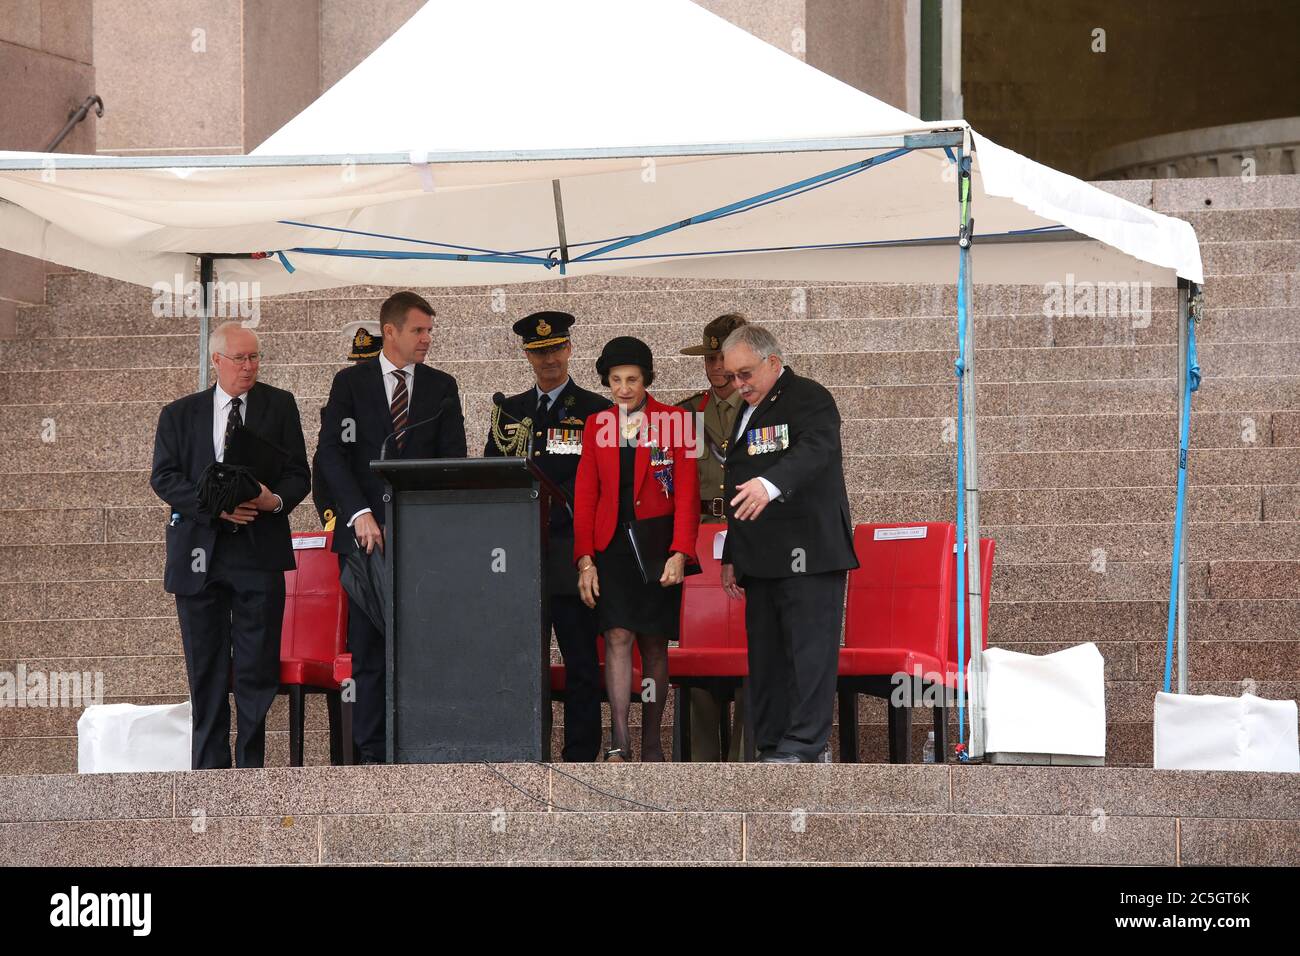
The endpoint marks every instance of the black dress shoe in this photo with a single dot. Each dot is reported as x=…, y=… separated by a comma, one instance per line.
x=780, y=758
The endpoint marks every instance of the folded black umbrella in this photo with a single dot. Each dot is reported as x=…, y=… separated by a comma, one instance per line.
x=224, y=487
x=365, y=578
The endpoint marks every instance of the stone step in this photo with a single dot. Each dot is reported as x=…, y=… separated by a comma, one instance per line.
x=1010, y=506
x=1097, y=544
x=1249, y=257
x=469, y=314
x=294, y=353
x=820, y=323
x=1013, y=624
x=1258, y=393
x=1127, y=743
x=1176, y=196
x=115, y=437
x=1243, y=225
x=58, y=755
x=1122, y=580
x=118, y=437
x=701, y=814
x=122, y=433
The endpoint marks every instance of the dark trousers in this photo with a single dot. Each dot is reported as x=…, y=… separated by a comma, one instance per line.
x=240, y=609
x=575, y=630
x=367, y=643
x=794, y=645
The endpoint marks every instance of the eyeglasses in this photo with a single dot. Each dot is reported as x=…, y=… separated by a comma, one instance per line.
x=252, y=358
x=745, y=374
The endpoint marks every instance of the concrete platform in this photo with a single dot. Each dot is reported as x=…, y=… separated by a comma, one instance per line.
x=686, y=814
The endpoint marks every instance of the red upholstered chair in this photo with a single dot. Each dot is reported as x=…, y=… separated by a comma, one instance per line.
x=313, y=644
x=896, y=629
x=712, y=651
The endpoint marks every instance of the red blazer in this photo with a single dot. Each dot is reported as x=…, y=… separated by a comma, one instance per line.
x=595, y=495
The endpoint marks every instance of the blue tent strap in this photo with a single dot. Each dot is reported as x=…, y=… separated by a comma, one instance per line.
x=475, y=254
x=521, y=259
x=963, y=194
x=753, y=201
x=1191, y=382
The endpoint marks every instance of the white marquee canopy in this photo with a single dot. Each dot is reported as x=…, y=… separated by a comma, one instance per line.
x=520, y=134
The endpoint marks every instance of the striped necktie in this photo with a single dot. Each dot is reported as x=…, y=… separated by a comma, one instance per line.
x=398, y=407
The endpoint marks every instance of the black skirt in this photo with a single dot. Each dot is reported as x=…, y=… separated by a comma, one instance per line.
x=627, y=601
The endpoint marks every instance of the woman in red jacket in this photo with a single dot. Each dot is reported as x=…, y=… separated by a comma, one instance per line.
x=636, y=464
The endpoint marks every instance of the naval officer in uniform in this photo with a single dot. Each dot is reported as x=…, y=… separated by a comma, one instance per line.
x=716, y=408
x=547, y=419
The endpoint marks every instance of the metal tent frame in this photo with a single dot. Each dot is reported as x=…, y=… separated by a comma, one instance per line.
x=959, y=148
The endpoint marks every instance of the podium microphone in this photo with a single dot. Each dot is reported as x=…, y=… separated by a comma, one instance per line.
x=442, y=407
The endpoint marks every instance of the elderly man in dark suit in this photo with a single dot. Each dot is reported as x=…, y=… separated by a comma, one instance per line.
x=228, y=573
x=396, y=403
x=789, y=545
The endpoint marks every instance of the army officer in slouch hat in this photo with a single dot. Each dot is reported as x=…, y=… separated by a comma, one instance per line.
x=547, y=420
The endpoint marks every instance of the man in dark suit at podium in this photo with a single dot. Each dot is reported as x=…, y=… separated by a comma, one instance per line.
x=396, y=403
x=228, y=573
x=789, y=545
x=549, y=417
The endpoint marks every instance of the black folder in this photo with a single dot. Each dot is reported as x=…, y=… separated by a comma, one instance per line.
x=264, y=458
x=652, y=541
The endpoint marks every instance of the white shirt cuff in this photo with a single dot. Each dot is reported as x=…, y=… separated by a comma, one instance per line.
x=279, y=505
x=773, y=491
x=363, y=511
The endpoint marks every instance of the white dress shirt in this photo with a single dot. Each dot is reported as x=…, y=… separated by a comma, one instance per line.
x=773, y=492
x=390, y=380
x=390, y=386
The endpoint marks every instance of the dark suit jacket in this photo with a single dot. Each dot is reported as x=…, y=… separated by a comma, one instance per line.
x=183, y=449
x=357, y=396
x=812, y=514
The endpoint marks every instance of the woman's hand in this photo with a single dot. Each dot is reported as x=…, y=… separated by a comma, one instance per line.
x=674, y=569
x=588, y=584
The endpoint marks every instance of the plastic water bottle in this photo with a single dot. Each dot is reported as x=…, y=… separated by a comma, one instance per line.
x=927, y=754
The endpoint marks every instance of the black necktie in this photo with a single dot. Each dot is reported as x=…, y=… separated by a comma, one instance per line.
x=233, y=421
x=543, y=405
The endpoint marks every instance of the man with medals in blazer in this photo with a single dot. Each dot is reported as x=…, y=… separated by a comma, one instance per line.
x=396, y=404
x=547, y=420
x=789, y=545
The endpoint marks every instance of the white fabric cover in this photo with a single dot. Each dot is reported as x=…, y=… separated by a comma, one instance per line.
x=1209, y=732
x=1045, y=704
x=126, y=738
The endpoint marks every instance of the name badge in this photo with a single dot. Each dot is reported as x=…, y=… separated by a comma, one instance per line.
x=770, y=438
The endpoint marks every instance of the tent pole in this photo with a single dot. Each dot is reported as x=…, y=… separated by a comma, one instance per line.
x=975, y=585
x=205, y=318
x=970, y=459
x=1184, y=317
